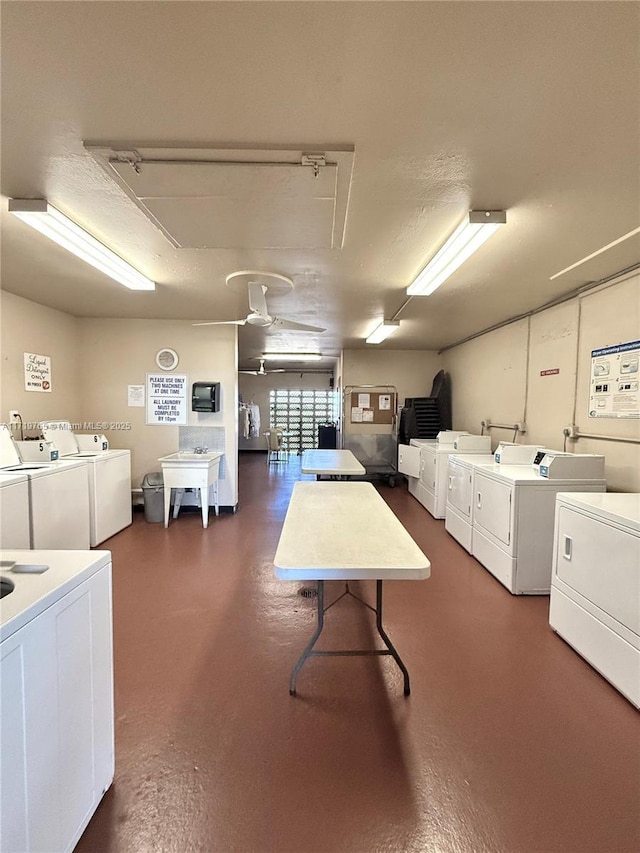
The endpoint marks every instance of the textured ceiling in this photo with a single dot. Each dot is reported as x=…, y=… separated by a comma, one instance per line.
x=529, y=107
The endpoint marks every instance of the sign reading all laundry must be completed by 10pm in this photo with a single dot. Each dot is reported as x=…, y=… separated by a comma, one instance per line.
x=615, y=374
x=167, y=399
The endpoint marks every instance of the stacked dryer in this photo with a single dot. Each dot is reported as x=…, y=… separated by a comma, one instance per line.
x=58, y=498
x=109, y=477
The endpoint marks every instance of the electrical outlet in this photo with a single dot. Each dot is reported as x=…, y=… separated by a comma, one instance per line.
x=521, y=427
x=14, y=415
x=573, y=431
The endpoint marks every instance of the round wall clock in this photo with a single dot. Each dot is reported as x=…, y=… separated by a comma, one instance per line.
x=167, y=359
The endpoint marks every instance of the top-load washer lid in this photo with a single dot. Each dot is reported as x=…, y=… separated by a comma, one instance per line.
x=61, y=434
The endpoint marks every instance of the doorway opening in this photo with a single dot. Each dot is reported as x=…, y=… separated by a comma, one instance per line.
x=299, y=413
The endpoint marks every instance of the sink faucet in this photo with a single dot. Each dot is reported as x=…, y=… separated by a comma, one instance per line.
x=200, y=449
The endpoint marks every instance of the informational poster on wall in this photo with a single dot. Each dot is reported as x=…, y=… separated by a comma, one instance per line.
x=615, y=375
x=167, y=399
x=37, y=372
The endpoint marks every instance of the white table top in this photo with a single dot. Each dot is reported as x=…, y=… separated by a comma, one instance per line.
x=345, y=531
x=338, y=462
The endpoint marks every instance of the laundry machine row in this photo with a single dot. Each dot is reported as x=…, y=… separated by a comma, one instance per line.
x=109, y=477
x=424, y=463
x=461, y=472
x=57, y=506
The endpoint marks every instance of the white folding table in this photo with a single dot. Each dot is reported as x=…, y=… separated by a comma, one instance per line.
x=336, y=464
x=345, y=531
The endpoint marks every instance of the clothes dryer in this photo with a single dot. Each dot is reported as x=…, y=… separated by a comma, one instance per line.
x=14, y=511
x=513, y=518
x=595, y=585
x=58, y=498
x=424, y=463
x=458, y=513
x=109, y=477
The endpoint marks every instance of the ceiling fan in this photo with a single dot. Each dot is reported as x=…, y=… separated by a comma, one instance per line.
x=261, y=371
x=259, y=314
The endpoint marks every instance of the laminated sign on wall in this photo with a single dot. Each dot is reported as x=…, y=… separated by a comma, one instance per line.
x=615, y=375
x=167, y=399
x=37, y=372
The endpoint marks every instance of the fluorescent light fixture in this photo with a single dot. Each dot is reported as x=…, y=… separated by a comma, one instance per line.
x=39, y=214
x=291, y=356
x=382, y=331
x=465, y=240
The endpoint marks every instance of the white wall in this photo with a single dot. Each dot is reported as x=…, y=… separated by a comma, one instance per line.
x=118, y=353
x=498, y=376
x=28, y=327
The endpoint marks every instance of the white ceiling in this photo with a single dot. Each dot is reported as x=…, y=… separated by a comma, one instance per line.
x=529, y=107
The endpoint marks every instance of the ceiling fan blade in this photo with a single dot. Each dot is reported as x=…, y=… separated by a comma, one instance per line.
x=277, y=370
x=257, y=300
x=280, y=323
x=222, y=323
x=250, y=372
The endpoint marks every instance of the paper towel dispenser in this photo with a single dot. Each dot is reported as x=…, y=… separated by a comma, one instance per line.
x=205, y=397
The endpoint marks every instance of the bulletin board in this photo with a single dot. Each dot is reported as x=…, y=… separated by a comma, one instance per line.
x=372, y=407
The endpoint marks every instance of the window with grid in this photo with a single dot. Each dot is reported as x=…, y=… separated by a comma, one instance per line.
x=299, y=413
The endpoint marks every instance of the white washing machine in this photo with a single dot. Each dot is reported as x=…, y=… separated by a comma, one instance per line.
x=513, y=515
x=14, y=511
x=109, y=477
x=458, y=512
x=595, y=585
x=424, y=463
x=58, y=498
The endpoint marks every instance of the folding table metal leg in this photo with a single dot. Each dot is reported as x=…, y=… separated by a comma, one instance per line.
x=305, y=654
x=388, y=643
x=309, y=650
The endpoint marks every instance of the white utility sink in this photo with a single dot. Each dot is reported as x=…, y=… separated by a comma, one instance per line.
x=184, y=456
x=190, y=470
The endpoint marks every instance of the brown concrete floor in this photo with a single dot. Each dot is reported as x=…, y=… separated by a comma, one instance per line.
x=509, y=741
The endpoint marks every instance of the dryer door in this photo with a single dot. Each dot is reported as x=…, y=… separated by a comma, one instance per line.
x=409, y=460
x=459, y=488
x=492, y=502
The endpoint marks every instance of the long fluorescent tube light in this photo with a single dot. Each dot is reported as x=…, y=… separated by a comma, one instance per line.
x=465, y=240
x=382, y=331
x=39, y=214
x=291, y=356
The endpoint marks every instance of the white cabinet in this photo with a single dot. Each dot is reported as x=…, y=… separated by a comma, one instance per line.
x=595, y=585
x=56, y=721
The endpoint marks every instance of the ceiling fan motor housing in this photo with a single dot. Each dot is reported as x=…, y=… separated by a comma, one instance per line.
x=256, y=319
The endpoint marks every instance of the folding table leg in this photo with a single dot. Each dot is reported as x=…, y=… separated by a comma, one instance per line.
x=305, y=654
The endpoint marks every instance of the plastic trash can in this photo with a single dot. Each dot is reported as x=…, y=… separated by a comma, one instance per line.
x=327, y=438
x=153, y=492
